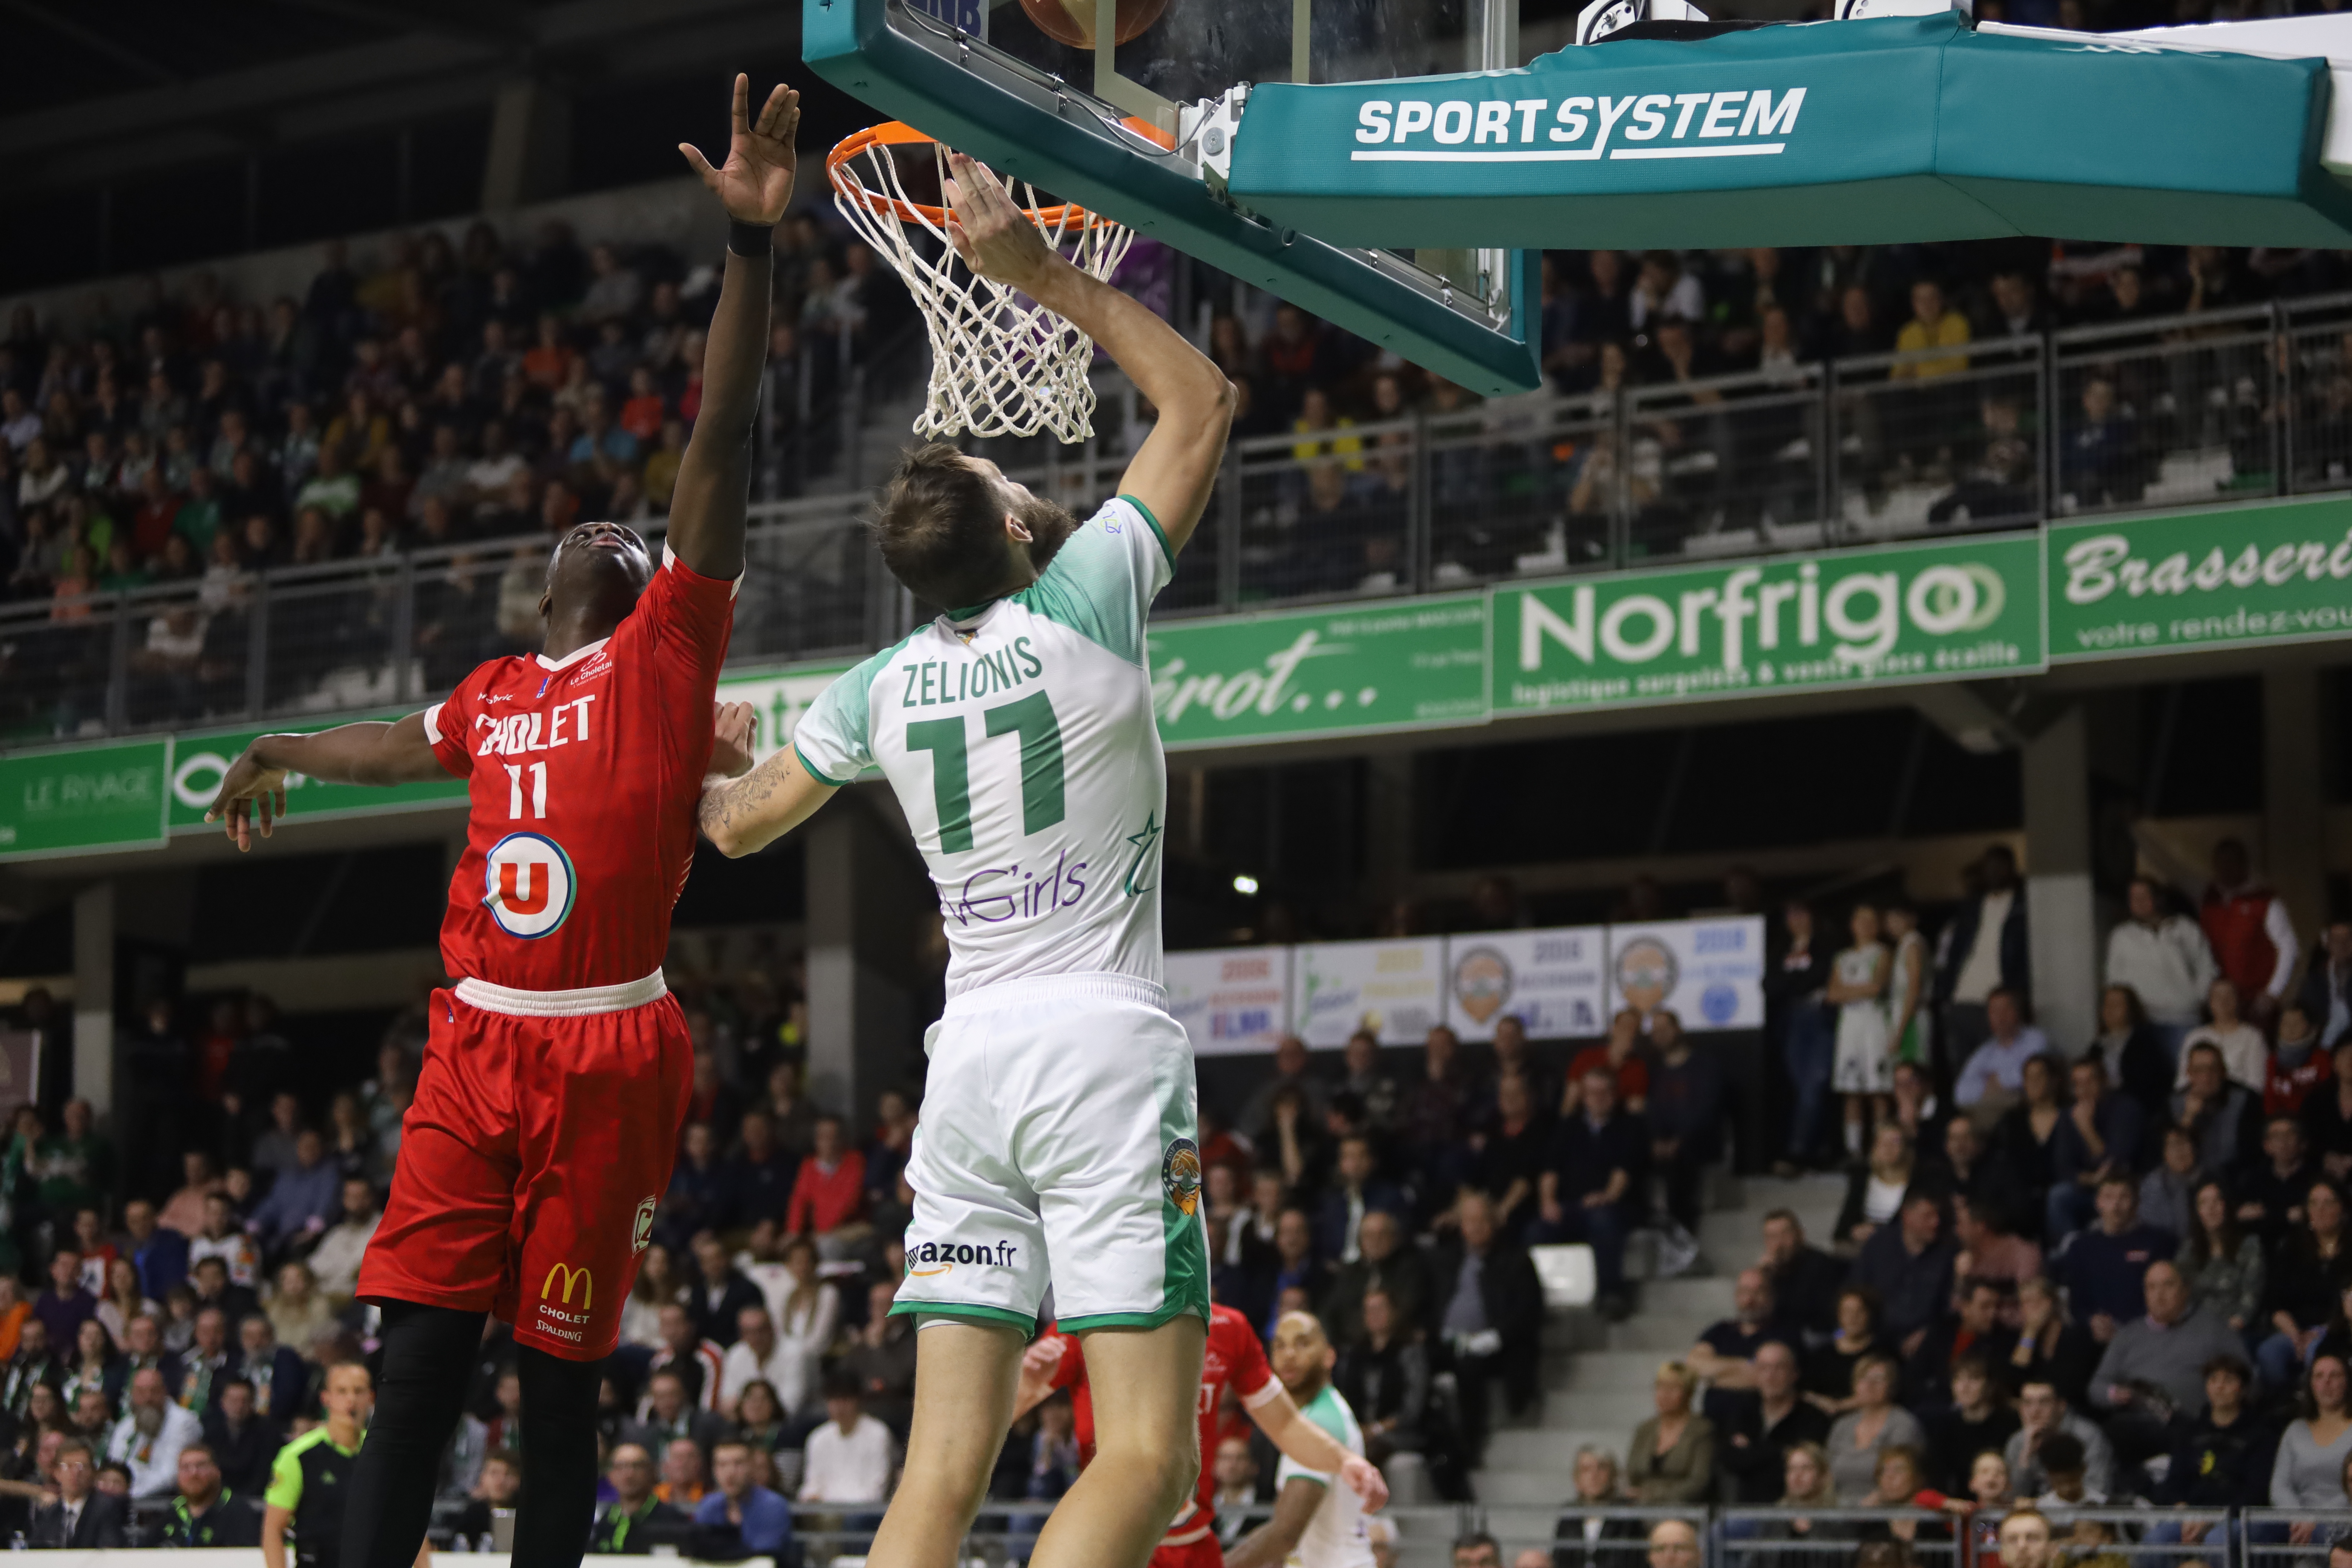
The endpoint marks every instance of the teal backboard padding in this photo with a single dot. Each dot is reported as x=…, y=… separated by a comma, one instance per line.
x=1844, y=133
x=1065, y=143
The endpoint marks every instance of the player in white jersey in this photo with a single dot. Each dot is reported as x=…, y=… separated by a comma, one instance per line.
x=1058, y=1142
x=1316, y=1524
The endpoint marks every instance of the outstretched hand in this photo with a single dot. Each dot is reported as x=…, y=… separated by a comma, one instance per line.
x=1363, y=1478
x=252, y=797
x=995, y=239
x=756, y=182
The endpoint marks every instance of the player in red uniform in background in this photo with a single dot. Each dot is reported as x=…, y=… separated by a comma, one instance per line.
x=557, y=1077
x=1234, y=1359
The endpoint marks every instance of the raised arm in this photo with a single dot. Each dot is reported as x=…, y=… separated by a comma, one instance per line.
x=253, y=791
x=714, y=480
x=1174, y=472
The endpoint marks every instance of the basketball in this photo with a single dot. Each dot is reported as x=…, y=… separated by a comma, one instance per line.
x=1072, y=22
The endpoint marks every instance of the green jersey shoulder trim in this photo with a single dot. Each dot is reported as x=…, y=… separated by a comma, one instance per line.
x=812, y=770
x=1090, y=587
x=1158, y=532
x=847, y=706
x=1329, y=1411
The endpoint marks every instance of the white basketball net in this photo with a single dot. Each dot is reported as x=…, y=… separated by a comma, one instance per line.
x=1002, y=364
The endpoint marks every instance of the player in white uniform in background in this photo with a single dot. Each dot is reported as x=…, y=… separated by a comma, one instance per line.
x=1057, y=1145
x=1316, y=1524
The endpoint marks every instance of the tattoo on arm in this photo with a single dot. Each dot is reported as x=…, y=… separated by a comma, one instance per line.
x=737, y=804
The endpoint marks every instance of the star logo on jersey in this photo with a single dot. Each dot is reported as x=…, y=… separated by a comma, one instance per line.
x=1144, y=843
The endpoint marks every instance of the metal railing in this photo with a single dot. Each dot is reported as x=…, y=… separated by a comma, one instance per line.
x=2003, y=434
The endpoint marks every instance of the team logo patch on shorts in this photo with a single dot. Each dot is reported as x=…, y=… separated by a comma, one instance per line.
x=1179, y=1174
x=528, y=884
x=641, y=1235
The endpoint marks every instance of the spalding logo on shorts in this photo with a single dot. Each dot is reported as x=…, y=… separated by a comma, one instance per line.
x=528, y=884
x=1179, y=1174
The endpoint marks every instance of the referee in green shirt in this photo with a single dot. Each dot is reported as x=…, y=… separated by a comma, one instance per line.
x=312, y=1476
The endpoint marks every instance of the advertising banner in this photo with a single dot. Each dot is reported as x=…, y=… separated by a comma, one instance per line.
x=1396, y=989
x=1553, y=982
x=1709, y=973
x=2276, y=572
x=1233, y=1000
x=1409, y=664
x=1958, y=611
x=84, y=797
x=1877, y=131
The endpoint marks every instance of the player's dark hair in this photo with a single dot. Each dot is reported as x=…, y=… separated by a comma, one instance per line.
x=941, y=527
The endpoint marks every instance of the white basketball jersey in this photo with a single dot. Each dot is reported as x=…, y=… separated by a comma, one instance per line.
x=1020, y=740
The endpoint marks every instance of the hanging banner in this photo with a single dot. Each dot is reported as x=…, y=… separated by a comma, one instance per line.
x=1708, y=972
x=1553, y=982
x=1232, y=1001
x=1882, y=617
x=85, y=797
x=2264, y=573
x=1396, y=989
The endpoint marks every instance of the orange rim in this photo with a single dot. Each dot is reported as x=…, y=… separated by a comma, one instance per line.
x=897, y=133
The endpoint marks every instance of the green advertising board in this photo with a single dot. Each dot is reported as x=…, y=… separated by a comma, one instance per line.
x=1961, y=610
x=71, y=799
x=2266, y=574
x=1969, y=608
x=1403, y=664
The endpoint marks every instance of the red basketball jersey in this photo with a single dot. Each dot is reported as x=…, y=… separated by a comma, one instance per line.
x=583, y=775
x=1234, y=1359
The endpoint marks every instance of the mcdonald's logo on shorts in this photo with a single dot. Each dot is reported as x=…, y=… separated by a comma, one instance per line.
x=559, y=1321
x=586, y=1281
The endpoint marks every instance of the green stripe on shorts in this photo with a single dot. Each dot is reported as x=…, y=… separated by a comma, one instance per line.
x=970, y=1310
x=1184, y=1278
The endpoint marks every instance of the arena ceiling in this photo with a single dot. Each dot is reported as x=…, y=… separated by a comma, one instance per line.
x=95, y=94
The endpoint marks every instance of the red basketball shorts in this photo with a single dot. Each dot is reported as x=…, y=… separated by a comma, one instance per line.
x=531, y=1164
x=1201, y=1552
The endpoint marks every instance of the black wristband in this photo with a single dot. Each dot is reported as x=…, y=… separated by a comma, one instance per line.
x=753, y=239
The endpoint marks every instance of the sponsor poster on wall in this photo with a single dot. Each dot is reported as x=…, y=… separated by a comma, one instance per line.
x=92, y=797
x=1231, y=1000
x=1396, y=989
x=1551, y=981
x=1708, y=972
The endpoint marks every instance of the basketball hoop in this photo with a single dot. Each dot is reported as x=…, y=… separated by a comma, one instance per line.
x=1002, y=364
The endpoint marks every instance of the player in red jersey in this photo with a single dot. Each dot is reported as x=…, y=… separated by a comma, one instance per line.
x=559, y=1070
x=1234, y=1360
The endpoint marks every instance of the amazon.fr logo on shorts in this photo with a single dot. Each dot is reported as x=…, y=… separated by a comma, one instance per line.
x=926, y=1259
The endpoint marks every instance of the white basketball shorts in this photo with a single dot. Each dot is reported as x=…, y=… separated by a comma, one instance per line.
x=1057, y=1149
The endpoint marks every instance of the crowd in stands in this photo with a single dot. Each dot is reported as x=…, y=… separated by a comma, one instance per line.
x=458, y=392
x=447, y=393
x=2064, y=1273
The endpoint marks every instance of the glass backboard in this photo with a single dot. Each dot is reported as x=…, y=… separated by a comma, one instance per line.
x=1047, y=89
